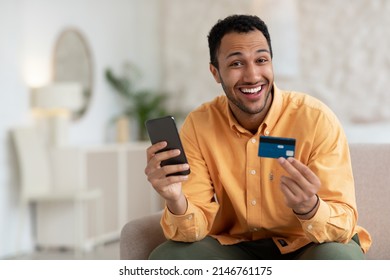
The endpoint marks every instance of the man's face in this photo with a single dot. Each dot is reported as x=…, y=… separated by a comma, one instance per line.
x=245, y=72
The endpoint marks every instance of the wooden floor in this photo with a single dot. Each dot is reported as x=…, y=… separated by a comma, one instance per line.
x=108, y=251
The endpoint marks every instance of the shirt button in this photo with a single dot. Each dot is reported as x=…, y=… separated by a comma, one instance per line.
x=253, y=172
x=253, y=140
x=309, y=227
x=253, y=202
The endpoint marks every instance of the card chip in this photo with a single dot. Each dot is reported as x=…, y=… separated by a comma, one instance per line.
x=290, y=153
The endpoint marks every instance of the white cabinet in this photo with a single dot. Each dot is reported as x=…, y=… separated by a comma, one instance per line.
x=118, y=172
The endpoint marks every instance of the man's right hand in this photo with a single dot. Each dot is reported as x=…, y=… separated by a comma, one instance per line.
x=169, y=187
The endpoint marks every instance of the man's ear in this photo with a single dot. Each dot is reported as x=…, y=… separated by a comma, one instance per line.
x=215, y=73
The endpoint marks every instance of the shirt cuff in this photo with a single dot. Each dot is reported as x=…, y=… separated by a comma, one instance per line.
x=314, y=226
x=178, y=220
x=181, y=227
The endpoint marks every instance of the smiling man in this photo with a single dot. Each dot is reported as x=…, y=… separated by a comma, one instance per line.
x=237, y=205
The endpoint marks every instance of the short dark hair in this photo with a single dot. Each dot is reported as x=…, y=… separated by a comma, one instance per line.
x=234, y=23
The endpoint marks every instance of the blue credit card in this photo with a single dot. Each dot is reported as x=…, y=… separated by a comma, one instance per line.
x=276, y=147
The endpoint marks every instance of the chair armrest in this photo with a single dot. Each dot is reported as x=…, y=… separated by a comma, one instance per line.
x=140, y=236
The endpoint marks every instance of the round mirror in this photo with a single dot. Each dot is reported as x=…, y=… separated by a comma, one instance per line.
x=72, y=63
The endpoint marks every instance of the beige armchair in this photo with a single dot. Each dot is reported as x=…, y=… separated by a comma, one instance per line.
x=140, y=236
x=371, y=169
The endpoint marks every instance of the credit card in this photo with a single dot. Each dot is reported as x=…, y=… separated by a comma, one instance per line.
x=276, y=147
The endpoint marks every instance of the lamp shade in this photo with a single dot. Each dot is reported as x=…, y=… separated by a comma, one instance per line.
x=64, y=95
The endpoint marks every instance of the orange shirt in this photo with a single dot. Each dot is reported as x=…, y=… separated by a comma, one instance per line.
x=234, y=195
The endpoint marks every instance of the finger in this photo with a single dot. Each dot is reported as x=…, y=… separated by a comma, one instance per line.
x=155, y=160
x=174, y=168
x=290, y=166
x=286, y=190
x=154, y=168
x=289, y=196
x=309, y=186
x=305, y=171
x=152, y=150
x=157, y=175
x=291, y=185
x=161, y=184
x=295, y=193
x=170, y=180
x=159, y=157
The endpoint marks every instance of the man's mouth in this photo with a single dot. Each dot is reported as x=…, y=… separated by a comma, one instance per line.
x=251, y=90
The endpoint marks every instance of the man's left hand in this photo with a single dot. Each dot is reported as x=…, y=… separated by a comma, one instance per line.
x=300, y=188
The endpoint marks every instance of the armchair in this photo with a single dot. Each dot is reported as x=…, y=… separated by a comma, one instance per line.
x=370, y=163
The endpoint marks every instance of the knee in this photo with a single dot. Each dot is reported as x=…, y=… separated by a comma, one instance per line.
x=159, y=253
x=170, y=250
x=333, y=251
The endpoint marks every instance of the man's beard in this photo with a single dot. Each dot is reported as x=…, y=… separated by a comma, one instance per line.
x=241, y=105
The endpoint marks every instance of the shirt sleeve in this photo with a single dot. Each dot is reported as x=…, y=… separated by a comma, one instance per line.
x=336, y=217
x=202, y=208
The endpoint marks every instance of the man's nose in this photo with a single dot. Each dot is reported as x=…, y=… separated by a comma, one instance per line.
x=251, y=73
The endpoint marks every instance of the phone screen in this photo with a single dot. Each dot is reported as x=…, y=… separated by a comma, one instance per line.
x=165, y=129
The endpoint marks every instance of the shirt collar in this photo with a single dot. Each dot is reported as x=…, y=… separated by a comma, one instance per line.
x=234, y=125
x=275, y=109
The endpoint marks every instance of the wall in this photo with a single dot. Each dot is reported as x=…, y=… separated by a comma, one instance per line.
x=115, y=30
x=114, y=34
x=185, y=56
x=12, y=110
x=338, y=54
x=344, y=57
x=339, y=49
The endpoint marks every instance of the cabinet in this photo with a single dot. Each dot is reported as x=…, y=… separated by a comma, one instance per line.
x=118, y=172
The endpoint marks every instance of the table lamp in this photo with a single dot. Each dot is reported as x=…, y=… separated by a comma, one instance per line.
x=53, y=106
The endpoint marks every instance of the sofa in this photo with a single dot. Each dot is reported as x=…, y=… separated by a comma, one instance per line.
x=370, y=163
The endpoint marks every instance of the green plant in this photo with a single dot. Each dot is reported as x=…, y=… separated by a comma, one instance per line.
x=141, y=104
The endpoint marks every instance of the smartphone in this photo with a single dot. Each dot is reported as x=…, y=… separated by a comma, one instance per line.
x=165, y=129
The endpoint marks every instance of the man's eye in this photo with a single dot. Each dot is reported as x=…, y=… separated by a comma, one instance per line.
x=236, y=63
x=262, y=60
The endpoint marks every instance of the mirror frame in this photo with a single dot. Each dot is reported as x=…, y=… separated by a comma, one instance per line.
x=72, y=56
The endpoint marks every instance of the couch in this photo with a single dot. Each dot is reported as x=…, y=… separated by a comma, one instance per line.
x=370, y=163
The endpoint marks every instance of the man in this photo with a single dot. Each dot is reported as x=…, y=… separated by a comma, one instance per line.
x=237, y=205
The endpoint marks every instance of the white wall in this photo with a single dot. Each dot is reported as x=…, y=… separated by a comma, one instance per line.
x=185, y=50
x=342, y=59
x=334, y=50
x=116, y=31
x=12, y=110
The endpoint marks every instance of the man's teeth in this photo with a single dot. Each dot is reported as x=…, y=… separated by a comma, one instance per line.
x=251, y=90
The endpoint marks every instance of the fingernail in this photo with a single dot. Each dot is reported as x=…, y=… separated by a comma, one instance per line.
x=281, y=160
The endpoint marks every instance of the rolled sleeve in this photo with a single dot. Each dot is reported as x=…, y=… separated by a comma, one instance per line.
x=314, y=227
x=186, y=228
x=329, y=225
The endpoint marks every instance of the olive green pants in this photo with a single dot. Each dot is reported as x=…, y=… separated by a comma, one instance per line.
x=265, y=249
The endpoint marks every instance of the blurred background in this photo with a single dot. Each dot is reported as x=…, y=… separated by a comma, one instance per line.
x=77, y=79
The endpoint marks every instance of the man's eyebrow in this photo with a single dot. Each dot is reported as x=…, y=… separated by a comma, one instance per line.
x=240, y=53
